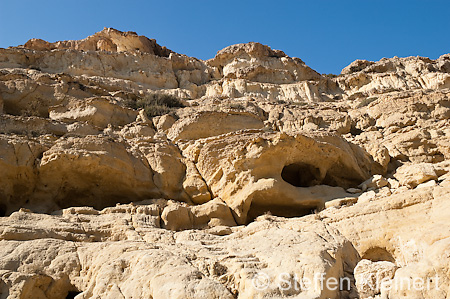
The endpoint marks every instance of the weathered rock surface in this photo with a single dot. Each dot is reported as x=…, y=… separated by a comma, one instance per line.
x=136, y=259
x=264, y=180
x=396, y=74
x=259, y=63
x=408, y=229
x=218, y=123
x=413, y=175
x=248, y=170
x=372, y=278
x=108, y=39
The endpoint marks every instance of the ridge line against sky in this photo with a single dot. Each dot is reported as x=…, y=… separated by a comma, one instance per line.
x=327, y=35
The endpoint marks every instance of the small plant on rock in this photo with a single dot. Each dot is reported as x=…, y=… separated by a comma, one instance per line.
x=331, y=76
x=156, y=104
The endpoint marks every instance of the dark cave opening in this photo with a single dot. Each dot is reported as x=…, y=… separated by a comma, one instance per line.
x=301, y=175
x=72, y=294
x=378, y=254
x=355, y=131
x=2, y=210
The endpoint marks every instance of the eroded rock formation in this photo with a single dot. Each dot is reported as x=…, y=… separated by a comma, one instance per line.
x=264, y=175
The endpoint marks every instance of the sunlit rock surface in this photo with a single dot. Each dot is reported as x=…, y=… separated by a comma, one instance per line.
x=128, y=170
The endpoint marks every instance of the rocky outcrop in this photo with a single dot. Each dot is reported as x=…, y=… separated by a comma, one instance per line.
x=397, y=229
x=409, y=125
x=256, y=70
x=218, y=123
x=395, y=74
x=242, y=168
x=113, y=55
x=108, y=39
x=247, y=170
x=130, y=171
x=258, y=63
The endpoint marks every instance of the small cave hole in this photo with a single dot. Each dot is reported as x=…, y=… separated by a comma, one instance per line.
x=72, y=294
x=378, y=254
x=2, y=210
x=301, y=175
x=355, y=131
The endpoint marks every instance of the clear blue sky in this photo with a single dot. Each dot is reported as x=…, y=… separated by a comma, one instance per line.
x=327, y=35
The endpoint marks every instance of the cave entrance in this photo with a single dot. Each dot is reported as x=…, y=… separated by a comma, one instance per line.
x=378, y=254
x=2, y=210
x=301, y=175
x=72, y=294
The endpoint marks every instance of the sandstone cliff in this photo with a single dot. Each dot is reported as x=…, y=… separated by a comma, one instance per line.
x=128, y=170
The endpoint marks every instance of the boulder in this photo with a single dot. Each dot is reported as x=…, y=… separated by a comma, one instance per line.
x=375, y=182
x=415, y=174
x=373, y=278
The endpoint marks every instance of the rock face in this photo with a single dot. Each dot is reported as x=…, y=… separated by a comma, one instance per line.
x=108, y=39
x=249, y=170
x=396, y=74
x=258, y=63
x=259, y=178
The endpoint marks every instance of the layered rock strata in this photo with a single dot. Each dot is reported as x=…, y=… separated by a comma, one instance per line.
x=265, y=174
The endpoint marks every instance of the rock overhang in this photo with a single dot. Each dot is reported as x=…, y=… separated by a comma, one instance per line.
x=248, y=169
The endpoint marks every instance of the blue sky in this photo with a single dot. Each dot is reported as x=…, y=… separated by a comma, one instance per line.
x=327, y=35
